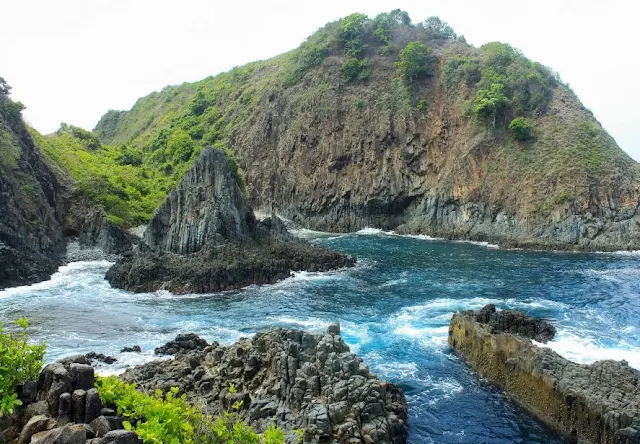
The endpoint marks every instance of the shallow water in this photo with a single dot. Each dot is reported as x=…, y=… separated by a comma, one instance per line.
x=394, y=307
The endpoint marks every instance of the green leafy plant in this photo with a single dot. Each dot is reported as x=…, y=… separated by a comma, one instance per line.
x=491, y=102
x=437, y=29
x=521, y=128
x=414, y=61
x=161, y=418
x=354, y=69
x=19, y=362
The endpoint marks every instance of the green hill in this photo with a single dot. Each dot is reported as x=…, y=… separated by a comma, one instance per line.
x=380, y=122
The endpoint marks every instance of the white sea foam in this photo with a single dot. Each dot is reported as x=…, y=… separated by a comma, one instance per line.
x=585, y=351
x=368, y=231
x=66, y=275
x=309, y=323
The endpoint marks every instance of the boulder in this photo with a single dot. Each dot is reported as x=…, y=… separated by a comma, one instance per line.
x=93, y=405
x=82, y=376
x=35, y=425
x=120, y=437
x=182, y=342
x=103, y=425
x=70, y=434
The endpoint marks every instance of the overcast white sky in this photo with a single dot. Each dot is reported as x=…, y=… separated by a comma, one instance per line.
x=72, y=60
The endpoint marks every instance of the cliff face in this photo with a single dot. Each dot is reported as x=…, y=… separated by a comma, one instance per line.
x=32, y=245
x=338, y=154
x=40, y=211
x=597, y=403
x=205, y=238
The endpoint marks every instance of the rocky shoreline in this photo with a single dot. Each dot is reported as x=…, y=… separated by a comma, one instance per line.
x=290, y=378
x=597, y=403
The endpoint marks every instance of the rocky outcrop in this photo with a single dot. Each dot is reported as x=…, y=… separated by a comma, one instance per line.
x=32, y=244
x=63, y=407
x=205, y=238
x=291, y=378
x=40, y=212
x=595, y=404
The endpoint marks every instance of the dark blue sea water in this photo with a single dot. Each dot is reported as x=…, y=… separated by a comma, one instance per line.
x=394, y=307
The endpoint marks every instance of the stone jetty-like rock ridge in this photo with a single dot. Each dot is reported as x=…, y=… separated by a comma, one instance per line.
x=288, y=377
x=205, y=238
x=595, y=404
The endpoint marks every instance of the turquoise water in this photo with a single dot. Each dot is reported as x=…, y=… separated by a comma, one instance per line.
x=394, y=307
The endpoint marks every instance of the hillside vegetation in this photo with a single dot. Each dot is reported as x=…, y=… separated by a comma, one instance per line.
x=357, y=126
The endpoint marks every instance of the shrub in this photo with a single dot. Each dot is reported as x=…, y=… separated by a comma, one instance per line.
x=19, y=362
x=491, y=102
x=520, y=128
x=354, y=69
x=169, y=419
x=437, y=29
x=414, y=61
x=352, y=30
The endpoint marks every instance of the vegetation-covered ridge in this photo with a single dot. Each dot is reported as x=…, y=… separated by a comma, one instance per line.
x=368, y=116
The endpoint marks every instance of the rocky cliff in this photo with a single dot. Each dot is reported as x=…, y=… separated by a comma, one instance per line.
x=288, y=377
x=335, y=136
x=205, y=238
x=32, y=244
x=40, y=211
x=595, y=404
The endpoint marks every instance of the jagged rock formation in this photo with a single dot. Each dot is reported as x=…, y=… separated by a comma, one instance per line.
x=291, y=378
x=339, y=155
x=63, y=407
x=205, y=238
x=207, y=206
x=595, y=404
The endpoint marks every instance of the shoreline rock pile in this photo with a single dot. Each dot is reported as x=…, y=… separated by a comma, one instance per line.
x=64, y=407
x=597, y=403
x=287, y=377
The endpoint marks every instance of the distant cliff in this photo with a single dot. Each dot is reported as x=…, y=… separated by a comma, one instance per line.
x=382, y=122
x=205, y=238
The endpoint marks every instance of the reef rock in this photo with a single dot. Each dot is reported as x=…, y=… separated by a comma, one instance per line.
x=291, y=378
x=597, y=403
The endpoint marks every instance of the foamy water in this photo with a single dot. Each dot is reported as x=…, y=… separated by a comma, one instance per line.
x=394, y=308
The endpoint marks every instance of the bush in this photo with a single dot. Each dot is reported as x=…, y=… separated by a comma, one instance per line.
x=354, y=69
x=169, y=419
x=19, y=363
x=437, y=29
x=414, y=61
x=491, y=102
x=520, y=128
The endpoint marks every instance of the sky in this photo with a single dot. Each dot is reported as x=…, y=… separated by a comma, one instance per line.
x=72, y=60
